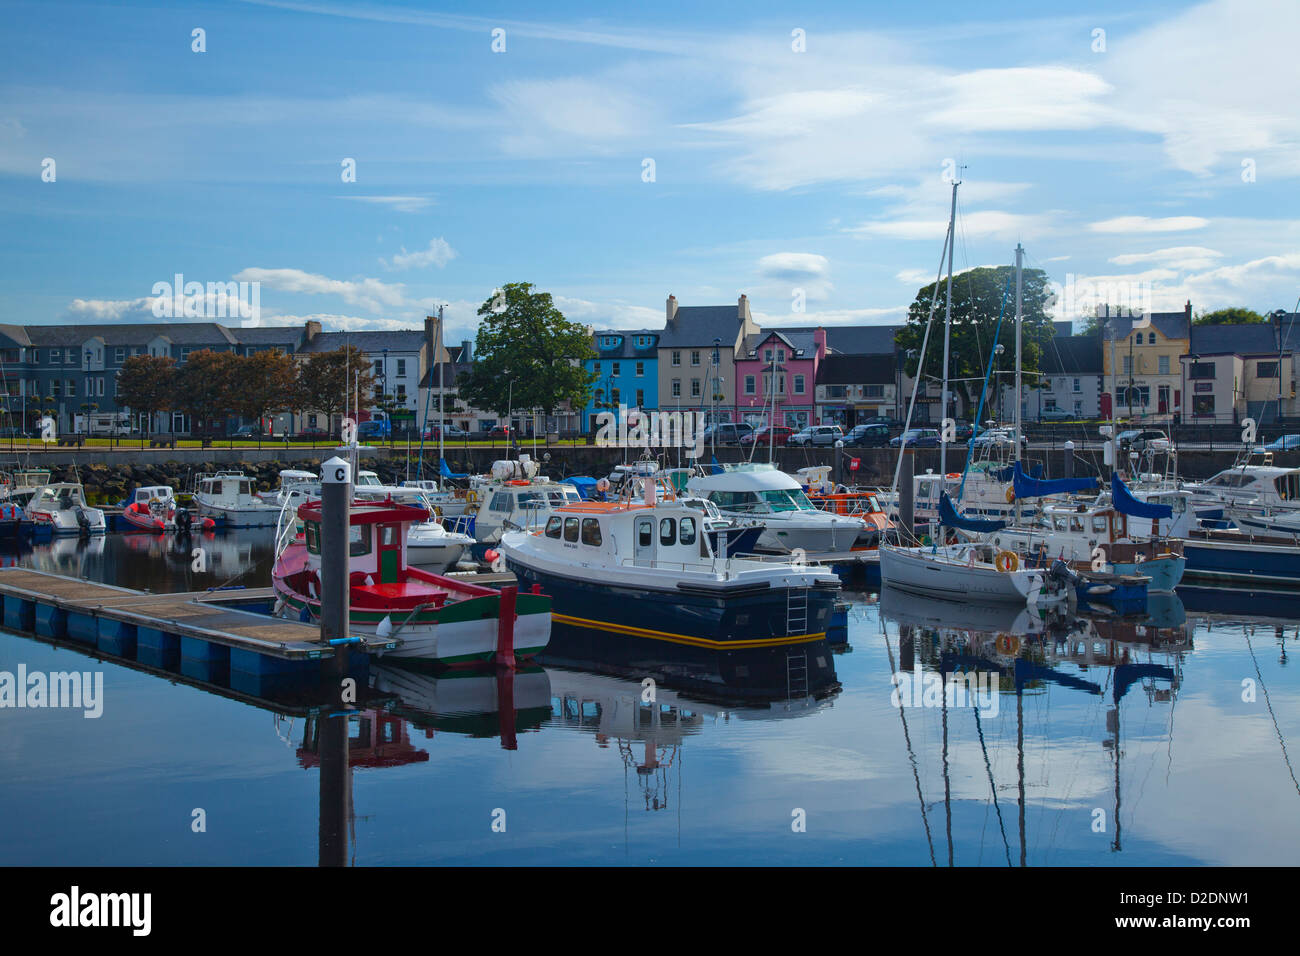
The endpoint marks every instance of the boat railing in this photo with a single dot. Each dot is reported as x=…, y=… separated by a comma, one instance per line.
x=286, y=524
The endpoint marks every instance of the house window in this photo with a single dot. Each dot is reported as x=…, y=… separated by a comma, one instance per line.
x=1078, y=409
x=640, y=398
x=1128, y=365
x=54, y=387
x=36, y=356
x=749, y=385
x=1266, y=369
x=1077, y=386
x=767, y=355
x=613, y=396
x=615, y=368
x=596, y=368
x=695, y=388
x=401, y=392
x=640, y=369
x=401, y=367
x=70, y=388
x=677, y=388
x=695, y=357
x=1201, y=370
x=99, y=387
x=1163, y=365
x=798, y=384
x=677, y=357
x=1203, y=406
x=780, y=355
x=119, y=355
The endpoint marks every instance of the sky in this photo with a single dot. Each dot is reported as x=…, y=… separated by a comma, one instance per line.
x=611, y=155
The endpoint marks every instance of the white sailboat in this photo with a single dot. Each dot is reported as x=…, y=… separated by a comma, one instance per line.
x=974, y=571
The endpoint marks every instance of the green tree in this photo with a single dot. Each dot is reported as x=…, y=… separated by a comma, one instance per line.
x=264, y=385
x=207, y=389
x=1233, y=316
x=977, y=297
x=147, y=384
x=331, y=381
x=523, y=338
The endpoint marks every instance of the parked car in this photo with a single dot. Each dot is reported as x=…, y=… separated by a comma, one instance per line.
x=375, y=428
x=964, y=431
x=869, y=435
x=727, y=433
x=779, y=435
x=246, y=431
x=999, y=437
x=917, y=438
x=1135, y=439
x=499, y=432
x=448, y=433
x=825, y=435
x=1055, y=415
x=1284, y=443
x=312, y=434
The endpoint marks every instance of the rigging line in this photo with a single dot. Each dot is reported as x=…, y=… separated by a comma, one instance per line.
x=910, y=753
x=979, y=727
x=979, y=410
x=1269, y=704
x=920, y=366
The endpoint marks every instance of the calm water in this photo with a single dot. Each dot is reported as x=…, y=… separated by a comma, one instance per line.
x=1198, y=775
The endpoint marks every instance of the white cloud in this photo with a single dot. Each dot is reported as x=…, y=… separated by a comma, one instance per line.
x=1182, y=257
x=396, y=203
x=437, y=253
x=788, y=271
x=368, y=293
x=1148, y=224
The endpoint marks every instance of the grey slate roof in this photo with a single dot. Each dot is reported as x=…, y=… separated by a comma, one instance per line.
x=193, y=334
x=402, y=340
x=696, y=326
x=1073, y=354
x=861, y=339
x=799, y=339
x=1172, y=325
x=856, y=370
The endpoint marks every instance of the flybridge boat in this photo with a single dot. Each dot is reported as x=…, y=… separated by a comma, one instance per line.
x=515, y=494
x=1252, y=486
x=646, y=571
x=428, y=543
x=62, y=506
x=153, y=508
x=20, y=484
x=229, y=496
x=432, y=618
x=762, y=493
x=293, y=482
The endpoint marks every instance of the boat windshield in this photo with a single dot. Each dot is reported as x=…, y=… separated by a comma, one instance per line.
x=786, y=499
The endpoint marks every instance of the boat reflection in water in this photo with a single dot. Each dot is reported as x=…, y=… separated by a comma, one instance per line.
x=1019, y=653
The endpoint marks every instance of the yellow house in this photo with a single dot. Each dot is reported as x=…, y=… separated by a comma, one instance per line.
x=1142, y=365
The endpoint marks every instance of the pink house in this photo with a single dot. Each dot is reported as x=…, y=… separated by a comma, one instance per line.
x=795, y=354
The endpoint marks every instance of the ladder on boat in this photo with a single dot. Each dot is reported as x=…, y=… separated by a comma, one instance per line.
x=796, y=611
x=796, y=675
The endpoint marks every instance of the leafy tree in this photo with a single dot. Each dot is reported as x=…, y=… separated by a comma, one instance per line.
x=523, y=338
x=147, y=384
x=977, y=297
x=330, y=381
x=1233, y=316
x=206, y=388
x=264, y=384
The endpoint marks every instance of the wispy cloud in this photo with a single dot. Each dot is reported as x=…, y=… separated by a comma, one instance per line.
x=396, y=203
x=1148, y=224
x=437, y=253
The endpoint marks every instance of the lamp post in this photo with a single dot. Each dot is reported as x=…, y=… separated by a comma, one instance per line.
x=510, y=404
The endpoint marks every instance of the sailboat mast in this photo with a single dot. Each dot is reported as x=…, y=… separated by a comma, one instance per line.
x=1019, y=316
x=947, y=331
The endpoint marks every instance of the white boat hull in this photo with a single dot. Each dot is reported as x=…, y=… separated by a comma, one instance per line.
x=247, y=516
x=931, y=573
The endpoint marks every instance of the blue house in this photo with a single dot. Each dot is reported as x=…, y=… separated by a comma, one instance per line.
x=627, y=372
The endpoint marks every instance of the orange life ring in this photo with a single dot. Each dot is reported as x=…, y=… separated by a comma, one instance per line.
x=1011, y=494
x=1007, y=561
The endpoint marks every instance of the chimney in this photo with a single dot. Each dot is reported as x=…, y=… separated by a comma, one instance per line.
x=1187, y=310
x=671, y=307
x=431, y=340
x=819, y=339
x=742, y=308
x=313, y=329
x=466, y=351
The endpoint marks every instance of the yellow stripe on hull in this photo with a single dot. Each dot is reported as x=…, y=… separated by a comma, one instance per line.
x=686, y=638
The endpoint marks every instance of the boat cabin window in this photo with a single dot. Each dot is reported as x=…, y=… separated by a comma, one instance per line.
x=571, y=529
x=553, y=525
x=387, y=535
x=1076, y=523
x=782, y=499
x=1288, y=486
x=644, y=534
x=311, y=531
x=667, y=531
x=1058, y=522
x=923, y=489
x=500, y=502
x=734, y=500
x=687, y=530
x=1099, y=523
x=358, y=539
x=591, y=532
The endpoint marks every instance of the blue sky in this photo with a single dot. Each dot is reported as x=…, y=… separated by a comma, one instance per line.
x=774, y=170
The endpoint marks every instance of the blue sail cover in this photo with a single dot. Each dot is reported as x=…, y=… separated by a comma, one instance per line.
x=1006, y=474
x=1027, y=487
x=950, y=517
x=1125, y=503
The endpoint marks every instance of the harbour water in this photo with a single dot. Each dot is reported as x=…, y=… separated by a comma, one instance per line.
x=1165, y=741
